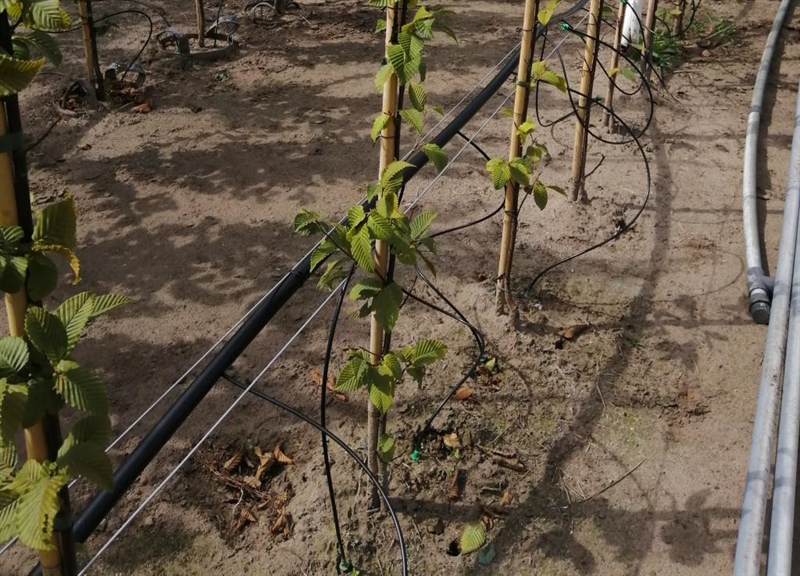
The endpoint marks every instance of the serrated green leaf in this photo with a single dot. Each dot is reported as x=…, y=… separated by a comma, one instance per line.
x=386, y=448
x=417, y=95
x=361, y=248
x=386, y=205
x=42, y=399
x=535, y=152
x=104, y=303
x=427, y=351
x=322, y=251
x=355, y=215
x=381, y=394
x=380, y=226
x=74, y=313
x=81, y=388
x=520, y=173
x=554, y=79
x=366, y=289
x=507, y=112
x=396, y=56
x=390, y=367
x=42, y=277
x=413, y=117
x=386, y=306
x=38, y=504
x=421, y=224
x=92, y=428
x=56, y=225
x=89, y=460
x=379, y=124
x=383, y=75
x=333, y=272
x=392, y=177
x=46, y=332
x=12, y=408
x=440, y=26
x=16, y=75
x=47, y=15
x=628, y=73
x=306, y=222
x=436, y=155
x=68, y=255
x=540, y=195
x=545, y=14
x=11, y=236
x=473, y=537
x=380, y=25
x=353, y=375
x=13, y=275
x=44, y=43
x=499, y=171
x=14, y=355
x=8, y=514
x=525, y=129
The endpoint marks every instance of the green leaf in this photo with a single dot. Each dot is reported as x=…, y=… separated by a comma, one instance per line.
x=386, y=306
x=74, y=313
x=42, y=277
x=39, y=503
x=366, y=289
x=47, y=15
x=537, y=69
x=442, y=27
x=16, y=75
x=499, y=171
x=8, y=462
x=525, y=129
x=396, y=56
x=333, y=272
x=473, y=537
x=390, y=367
x=14, y=355
x=558, y=189
x=554, y=79
x=427, y=351
x=42, y=399
x=12, y=408
x=386, y=205
x=436, y=155
x=355, y=215
x=56, y=225
x=628, y=73
x=547, y=12
x=413, y=117
x=8, y=513
x=92, y=428
x=383, y=75
x=520, y=173
x=44, y=43
x=379, y=124
x=380, y=25
x=65, y=253
x=361, y=248
x=386, y=448
x=47, y=334
x=322, y=251
x=107, y=302
x=535, y=152
x=306, y=222
x=381, y=394
x=421, y=224
x=540, y=195
x=380, y=226
x=417, y=95
x=89, y=460
x=373, y=188
x=392, y=177
x=354, y=374
x=13, y=276
x=81, y=388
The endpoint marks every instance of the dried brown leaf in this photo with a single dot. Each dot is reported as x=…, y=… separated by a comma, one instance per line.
x=572, y=332
x=280, y=456
x=247, y=514
x=506, y=498
x=452, y=440
x=510, y=463
x=234, y=461
x=143, y=108
x=265, y=466
x=252, y=481
x=463, y=393
x=283, y=524
x=454, y=493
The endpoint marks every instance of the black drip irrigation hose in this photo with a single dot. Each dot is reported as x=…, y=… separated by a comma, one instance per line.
x=261, y=315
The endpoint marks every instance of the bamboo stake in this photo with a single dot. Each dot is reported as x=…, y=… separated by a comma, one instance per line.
x=90, y=47
x=504, y=301
x=608, y=117
x=376, y=337
x=201, y=23
x=16, y=306
x=584, y=99
x=652, y=6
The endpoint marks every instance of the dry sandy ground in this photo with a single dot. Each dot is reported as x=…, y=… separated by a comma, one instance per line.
x=188, y=210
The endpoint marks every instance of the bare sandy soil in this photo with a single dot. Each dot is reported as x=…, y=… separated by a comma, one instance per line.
x=629, y=443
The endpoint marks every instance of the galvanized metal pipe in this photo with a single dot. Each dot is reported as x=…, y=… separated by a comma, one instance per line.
x=758, y=284
x=754, y=506
x=781, y=531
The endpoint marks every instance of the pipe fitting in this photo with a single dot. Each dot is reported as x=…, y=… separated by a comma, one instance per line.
x=759, y=289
